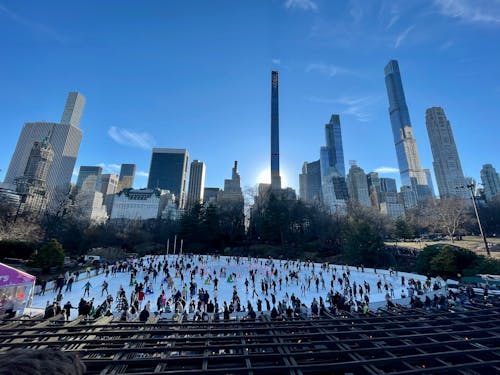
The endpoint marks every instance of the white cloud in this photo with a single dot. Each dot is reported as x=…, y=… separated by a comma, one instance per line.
x=328, y=70
x=276, y=61
x=359, y=107
x=110, y=168
x=301, y=4
x=386, y=170
x=130, y=138
x=475, y=11
x=142, y=174
x=392, y=21
x=401, y=37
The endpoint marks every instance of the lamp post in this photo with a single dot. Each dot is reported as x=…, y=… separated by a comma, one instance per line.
x=471, y=189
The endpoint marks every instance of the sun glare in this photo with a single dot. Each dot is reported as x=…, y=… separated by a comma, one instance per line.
x=264, y=177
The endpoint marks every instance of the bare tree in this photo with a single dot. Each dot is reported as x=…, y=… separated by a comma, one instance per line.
x=448, y=215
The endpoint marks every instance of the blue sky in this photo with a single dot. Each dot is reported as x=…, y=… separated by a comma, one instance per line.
x=196, y=75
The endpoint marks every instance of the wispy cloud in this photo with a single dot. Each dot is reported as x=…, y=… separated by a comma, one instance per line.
x=475, y=11
x=142, y=174
x=37, y=27
x=359, y=107
x=131, y=138
x=446, y=45
x=386, y=170
x=401, y=37
x=392, y=21
x=276, y=61
x=328, y=70
x=110, y=168
x=301, y=4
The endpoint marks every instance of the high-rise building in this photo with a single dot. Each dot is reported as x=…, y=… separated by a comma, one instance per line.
x=275, y=134
x=143, y=204
x=168, y=171
x=310, y=182
x=108, y=189
x=32, y=185
x=335, y=150
x=334, y=193
x=411, y=171
x=89, y=178
x=196, y=187
x=127, y=175
x=447, y=167
x=388, y=185
x=232, y=187
x=357, y=186
x=64, y=137
x=211, y=194
x=428, y=175
x=491, y=181
x=374, y=188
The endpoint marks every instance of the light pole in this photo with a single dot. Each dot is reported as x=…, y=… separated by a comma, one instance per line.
x=471, y=189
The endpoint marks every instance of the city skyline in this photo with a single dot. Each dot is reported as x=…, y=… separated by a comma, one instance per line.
x=224, y=97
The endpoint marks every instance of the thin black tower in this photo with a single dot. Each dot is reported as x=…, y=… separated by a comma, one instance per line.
x=275, y=134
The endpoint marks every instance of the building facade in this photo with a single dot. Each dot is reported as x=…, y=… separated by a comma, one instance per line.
x=407, y=153
x=168, y=171
x=141, y=204
x=357, y=186
x=196, y=187
x=232, y=187
x=64, y=137
x=335, y=150
x=447, y=167
x=491, y=181
x=127, y=175
x=32, y=186
x=89, y=178
x=109, y=188
x=310, y=183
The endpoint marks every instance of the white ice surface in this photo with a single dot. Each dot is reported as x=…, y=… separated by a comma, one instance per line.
x=225, y=289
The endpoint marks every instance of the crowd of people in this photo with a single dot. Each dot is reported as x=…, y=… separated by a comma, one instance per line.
x=202, y=287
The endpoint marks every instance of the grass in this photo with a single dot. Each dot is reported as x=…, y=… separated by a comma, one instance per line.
x=473, y=243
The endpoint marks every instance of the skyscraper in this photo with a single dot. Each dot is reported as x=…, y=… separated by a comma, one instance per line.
x=109, y=186
x=357, y=186
x=447, y=166
x=335, y=150
x=232, y=187
x=32, y=185
x=65, y=139
x=127, y=175
x=410, y=168
x=89, y=178
x=196, y=187
x=275, y=134
x=310, y=182
x=491, y=181
x=168, y=171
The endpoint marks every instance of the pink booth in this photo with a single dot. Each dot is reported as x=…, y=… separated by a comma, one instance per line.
x=16, y=290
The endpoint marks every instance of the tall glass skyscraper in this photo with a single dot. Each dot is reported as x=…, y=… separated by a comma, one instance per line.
x=333, y=136
x=411, y=171
x=275, y=134
x=168, y=171
x=447, y=167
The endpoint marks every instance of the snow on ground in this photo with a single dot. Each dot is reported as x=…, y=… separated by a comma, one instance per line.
x=241, y=267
